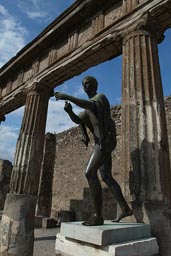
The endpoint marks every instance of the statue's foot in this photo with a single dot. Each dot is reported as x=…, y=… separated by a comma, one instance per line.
x=94, y=221
x=124, y=214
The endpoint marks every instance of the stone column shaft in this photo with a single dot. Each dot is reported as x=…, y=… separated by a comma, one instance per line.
x=28, y=156
x=145, y=154
x=17, y=231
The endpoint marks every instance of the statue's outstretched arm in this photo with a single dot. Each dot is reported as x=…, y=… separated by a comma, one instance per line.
x=86, y=104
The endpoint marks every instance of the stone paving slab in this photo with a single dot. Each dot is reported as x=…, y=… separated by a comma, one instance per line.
x=109, y=233
x=44, y=243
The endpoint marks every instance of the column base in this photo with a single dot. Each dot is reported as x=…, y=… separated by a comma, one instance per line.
x=17, y=228
x=158, y=215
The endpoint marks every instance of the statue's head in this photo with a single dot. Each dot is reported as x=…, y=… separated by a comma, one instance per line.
x=91, y=81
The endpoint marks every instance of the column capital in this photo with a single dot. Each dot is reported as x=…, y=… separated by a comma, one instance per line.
x=39, y=88
x=145, y=25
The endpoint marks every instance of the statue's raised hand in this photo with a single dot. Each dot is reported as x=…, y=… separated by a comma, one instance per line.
x=68, y=107
x=60, y=96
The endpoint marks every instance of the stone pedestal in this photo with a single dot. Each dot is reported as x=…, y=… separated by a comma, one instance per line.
x=17, y=231
x=110, y=239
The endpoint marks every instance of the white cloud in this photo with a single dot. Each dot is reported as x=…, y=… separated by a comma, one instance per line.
x=57, y=119
x=8, y=139
x=71, y=86
x=18, y=112
x=9, y=132
x=34, y=9
x=42, y=10
x=13, y=35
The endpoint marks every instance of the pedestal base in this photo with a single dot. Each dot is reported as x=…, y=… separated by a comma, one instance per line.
x=17, y=229
x=110, y=239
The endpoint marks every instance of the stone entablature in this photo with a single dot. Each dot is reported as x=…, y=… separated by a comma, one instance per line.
x=103, y=25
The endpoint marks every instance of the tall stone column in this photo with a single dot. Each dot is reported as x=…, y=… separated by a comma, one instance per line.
x=17, y=234
x=145, y=152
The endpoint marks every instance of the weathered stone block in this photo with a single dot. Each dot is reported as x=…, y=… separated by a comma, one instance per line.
x=141, y=247
x=66, y=216
x=38, y=221
x=49, y=223
x=17, y=229
x=106, y=234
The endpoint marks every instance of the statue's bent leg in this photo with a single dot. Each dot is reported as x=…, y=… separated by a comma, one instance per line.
x=96, y=160
x=114, y=187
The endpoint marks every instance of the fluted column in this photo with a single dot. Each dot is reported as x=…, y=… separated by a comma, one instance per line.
x=28, y=154
x=145, y=153
x=17, y=236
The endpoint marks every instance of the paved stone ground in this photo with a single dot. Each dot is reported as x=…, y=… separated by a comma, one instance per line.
x=44, y=244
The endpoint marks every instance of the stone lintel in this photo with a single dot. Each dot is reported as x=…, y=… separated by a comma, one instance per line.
x=109, y=233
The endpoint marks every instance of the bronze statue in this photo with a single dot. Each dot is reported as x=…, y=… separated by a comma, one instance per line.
x=97, y=118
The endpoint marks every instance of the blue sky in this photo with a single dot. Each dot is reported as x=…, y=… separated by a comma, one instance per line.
x=20, y=22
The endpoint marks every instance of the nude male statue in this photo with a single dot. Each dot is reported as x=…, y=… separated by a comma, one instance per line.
x=97, y=118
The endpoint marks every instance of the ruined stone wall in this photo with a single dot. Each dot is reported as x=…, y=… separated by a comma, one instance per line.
x=5, y=174
x=46, y=178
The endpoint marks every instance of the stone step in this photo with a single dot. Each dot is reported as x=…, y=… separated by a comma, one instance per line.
x=106, y=234
x=44, y=222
